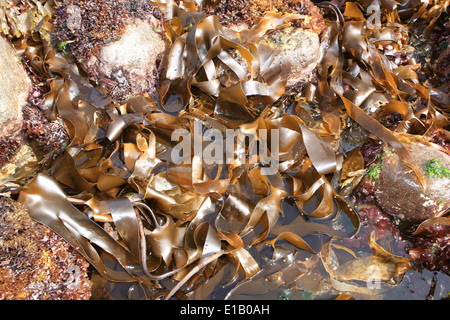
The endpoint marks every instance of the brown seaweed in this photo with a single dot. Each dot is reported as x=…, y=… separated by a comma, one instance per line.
x=190, y=221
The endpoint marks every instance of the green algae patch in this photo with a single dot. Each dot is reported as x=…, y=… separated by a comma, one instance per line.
x=435, y=169
x=374, y=171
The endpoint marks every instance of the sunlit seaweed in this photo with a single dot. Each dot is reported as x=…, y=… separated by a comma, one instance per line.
x=190, y=222
x=22, y=17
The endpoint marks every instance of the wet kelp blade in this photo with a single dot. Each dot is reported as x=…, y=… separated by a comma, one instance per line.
x=199, y=57
x=320, y=152
x=366, y=275
x=49, y=206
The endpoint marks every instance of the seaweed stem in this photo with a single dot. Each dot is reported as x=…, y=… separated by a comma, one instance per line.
x=141, y=206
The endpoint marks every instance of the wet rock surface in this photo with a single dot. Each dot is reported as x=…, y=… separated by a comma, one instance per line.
x=35, y=263
x=118, y=43
x=395, y=188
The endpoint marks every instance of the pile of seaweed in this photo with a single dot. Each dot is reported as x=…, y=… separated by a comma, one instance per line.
x=209, y=231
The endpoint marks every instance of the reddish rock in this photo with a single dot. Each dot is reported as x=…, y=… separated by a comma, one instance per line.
x=14, y=89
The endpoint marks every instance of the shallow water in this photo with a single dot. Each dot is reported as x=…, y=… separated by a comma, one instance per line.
x=313, y=285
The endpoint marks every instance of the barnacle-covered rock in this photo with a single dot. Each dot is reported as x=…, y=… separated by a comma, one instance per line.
x=36, y=263
x=395, y=188
x=118, y=43
x=300, y=43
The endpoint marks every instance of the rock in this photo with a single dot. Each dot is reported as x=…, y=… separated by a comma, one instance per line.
x=396, y=190
x=14, y=89
x=36, y=263
x=15, y=86
x=118, y=43
x=129, y=66
x=302, y=48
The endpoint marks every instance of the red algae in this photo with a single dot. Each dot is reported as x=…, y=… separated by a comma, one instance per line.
x=35, y=263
